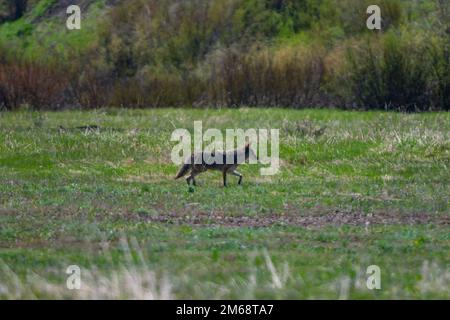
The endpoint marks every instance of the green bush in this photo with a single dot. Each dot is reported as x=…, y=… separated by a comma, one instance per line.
x=390, y=73
x=439, y=51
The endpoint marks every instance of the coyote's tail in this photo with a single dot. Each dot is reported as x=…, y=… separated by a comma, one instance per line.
x=184, y=169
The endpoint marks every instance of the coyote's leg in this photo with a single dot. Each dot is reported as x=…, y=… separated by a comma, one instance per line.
x=237, y=174
x=225, y=178
x=192, y=178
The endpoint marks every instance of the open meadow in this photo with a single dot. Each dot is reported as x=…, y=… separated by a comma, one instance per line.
x=355, y=189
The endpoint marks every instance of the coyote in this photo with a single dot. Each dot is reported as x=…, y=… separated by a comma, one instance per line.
x=196, y=169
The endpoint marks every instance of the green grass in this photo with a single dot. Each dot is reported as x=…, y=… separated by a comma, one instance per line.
x=65, y=195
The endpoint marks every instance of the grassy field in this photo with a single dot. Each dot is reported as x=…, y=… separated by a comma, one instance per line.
x=370, y=189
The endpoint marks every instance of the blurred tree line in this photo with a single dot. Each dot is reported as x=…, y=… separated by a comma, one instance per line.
x=287, y=53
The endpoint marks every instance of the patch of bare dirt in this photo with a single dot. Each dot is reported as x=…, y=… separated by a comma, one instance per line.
x=315, y=220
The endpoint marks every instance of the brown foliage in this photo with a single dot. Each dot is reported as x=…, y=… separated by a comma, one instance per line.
x=30, y=83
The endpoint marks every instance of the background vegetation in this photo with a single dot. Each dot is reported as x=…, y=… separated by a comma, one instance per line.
x=289, y=53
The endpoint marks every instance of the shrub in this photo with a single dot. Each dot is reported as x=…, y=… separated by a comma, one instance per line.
x=439, y=51
x=390, y=73
x=24, y=82
x=283, y=77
